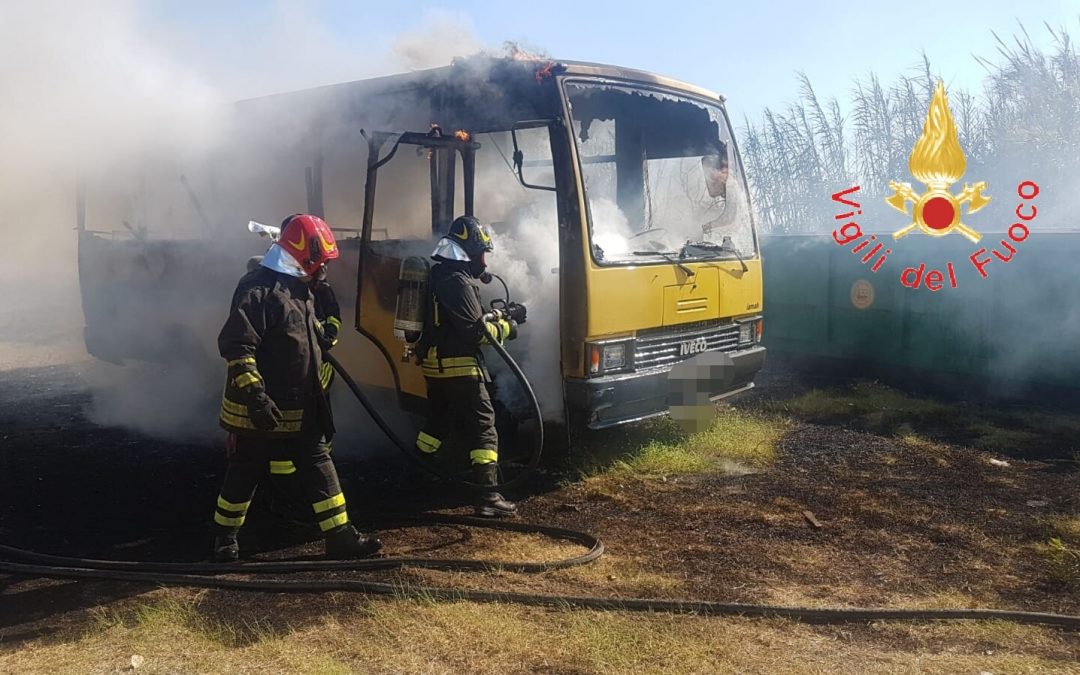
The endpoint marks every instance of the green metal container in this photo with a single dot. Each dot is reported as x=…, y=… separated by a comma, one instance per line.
x=1013, y=331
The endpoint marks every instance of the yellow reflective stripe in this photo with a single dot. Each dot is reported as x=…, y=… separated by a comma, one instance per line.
x=250, y=360
x=235, y=421
x=427, y=443
x=228, y=522
x=454, y=366
x=245, y=423
x=334, y=521
x=452, y=372
x=234, y=407
x=230, y=506
x=483, y=456
x=334, y=321
x=246, y=379
x=331, y=503
x=325, y=373
x=241, y=410
x=282, y=468
x=449, y=362
x=425, y=448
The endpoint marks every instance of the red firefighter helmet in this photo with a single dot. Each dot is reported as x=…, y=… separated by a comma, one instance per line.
x=309, y=241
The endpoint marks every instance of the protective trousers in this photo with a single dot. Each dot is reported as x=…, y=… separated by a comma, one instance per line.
x=460, y=406
x=305, y=459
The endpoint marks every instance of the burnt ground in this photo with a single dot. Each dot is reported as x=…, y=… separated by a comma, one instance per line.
x=903, y=523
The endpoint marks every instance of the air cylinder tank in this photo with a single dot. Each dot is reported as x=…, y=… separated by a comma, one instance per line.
x=412, y=295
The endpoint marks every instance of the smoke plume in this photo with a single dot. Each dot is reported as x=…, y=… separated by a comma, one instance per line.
x=136, y=109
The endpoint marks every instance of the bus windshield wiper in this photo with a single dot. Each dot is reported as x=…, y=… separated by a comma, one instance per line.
x=726, y=247
x=666, y=255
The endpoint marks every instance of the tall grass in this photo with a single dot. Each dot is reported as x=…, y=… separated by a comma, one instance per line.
x=1028, y=115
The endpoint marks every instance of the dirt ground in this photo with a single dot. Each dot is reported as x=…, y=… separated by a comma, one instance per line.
x=906, y=520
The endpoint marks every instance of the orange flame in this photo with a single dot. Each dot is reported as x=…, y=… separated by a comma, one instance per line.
x=544, y=72
x=937, y=158
x=462, y=135
x=516, y=53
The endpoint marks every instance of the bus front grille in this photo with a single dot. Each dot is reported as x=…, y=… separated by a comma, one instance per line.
x=667, y=346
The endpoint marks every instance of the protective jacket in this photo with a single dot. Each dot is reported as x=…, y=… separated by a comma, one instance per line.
x=271, y=344
x=451, y=345
x=328, y=324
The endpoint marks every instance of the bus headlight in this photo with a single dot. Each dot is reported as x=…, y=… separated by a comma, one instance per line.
x=609, y=357
x=746, y=333
x=614, y=357
x=750, y=332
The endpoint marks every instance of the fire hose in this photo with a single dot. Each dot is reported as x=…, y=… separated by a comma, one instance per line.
x=206, y=575
x=197, y=575
x=409, y=449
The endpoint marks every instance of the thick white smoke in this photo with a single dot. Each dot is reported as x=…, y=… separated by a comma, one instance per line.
x=84, y=90
x=106, y=95
x=527, y=258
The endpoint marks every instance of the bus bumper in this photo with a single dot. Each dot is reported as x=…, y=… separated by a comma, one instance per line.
x=629, y=397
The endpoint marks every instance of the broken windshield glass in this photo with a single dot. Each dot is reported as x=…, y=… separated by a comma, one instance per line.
x=660, y=172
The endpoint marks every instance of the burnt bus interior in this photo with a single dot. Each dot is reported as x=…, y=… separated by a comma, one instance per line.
x=388, y=162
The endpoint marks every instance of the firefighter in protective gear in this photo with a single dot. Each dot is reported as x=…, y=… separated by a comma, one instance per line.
x=274, y=404
x=450, y=357
x=289, y=499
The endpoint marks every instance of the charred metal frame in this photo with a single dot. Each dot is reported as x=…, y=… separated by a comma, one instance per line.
x=519, y=156
x=443, y=149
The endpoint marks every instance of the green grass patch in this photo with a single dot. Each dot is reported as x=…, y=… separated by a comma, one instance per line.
x=170, y=615
x=876, y=403
x=1064, y=562
x=736, y=439
x=406, y=636
x=1062, y=550
x=879, y=409
x=1066, y=527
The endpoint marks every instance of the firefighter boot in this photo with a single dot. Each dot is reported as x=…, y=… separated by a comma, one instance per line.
x=226, y=549
x=347, y=543
x=491, y=504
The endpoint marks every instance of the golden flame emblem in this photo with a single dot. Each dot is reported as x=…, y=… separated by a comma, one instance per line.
x=938, y=161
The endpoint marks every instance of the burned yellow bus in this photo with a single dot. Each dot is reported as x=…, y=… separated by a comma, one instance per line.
x=616, y=199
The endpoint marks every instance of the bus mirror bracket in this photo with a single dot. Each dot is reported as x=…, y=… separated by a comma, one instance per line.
x=519, y=156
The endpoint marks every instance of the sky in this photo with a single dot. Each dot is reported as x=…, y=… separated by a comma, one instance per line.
x=749, y=51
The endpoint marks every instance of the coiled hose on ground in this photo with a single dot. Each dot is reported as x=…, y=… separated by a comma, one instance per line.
x=204, y=575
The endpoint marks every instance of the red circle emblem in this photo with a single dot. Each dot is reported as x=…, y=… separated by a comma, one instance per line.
x=938, y=213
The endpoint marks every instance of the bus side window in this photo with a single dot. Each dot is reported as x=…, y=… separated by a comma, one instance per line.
x=344, y=154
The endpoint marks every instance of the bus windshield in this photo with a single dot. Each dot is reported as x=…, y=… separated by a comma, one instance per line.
x=661, y=176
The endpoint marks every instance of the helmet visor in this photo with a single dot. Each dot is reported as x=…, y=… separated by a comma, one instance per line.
x=448, y=249
x=279, y=260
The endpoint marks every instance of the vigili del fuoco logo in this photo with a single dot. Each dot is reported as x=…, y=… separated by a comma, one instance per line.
x=937, y=161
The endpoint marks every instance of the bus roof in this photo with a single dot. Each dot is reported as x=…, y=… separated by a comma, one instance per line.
x=477, y=66
x=618, y=72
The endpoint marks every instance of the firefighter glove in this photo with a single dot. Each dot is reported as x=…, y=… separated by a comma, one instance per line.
x=501, y=330
x=516, y=312
x=330, y=329
x=264, y=413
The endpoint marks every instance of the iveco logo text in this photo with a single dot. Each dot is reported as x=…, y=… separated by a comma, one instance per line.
x=695, y=346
